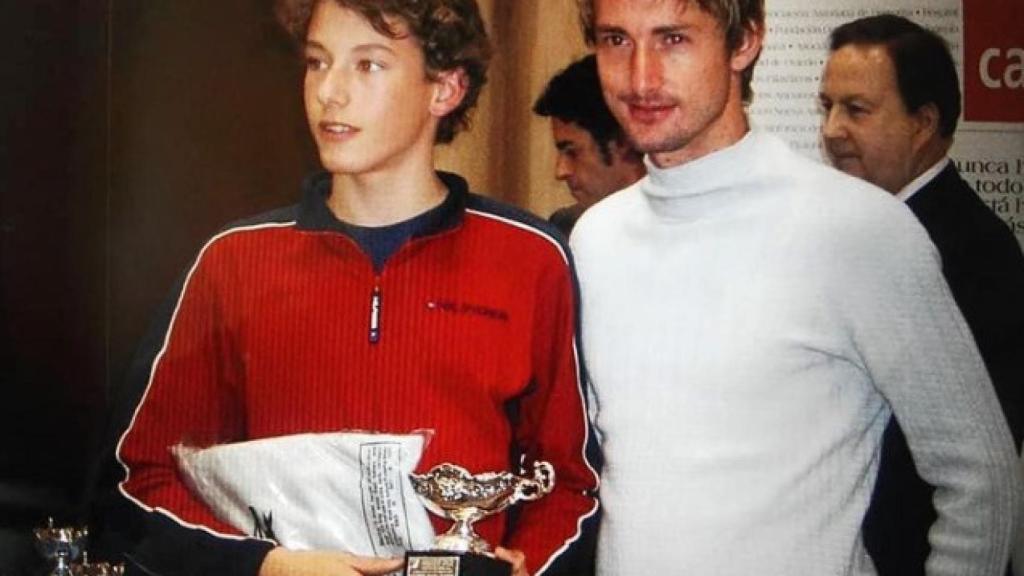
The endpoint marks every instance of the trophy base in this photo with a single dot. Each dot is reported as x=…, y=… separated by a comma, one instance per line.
x=444, y=563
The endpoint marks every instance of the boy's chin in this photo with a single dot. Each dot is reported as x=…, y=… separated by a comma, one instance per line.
x=346, y=165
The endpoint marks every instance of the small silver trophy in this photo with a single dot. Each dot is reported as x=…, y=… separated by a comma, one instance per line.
x=62, y=546
x=451, y=492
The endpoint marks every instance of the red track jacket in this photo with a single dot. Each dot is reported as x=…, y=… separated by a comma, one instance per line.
x=282, y=326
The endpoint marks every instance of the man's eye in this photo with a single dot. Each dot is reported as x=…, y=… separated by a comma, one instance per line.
x=673, y=39
x=315, y=63
x=369, y=66
x=613, y=39
x=856, y=110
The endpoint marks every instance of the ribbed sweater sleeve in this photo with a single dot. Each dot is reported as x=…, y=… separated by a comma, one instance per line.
x=938, y=388
x=193, y=366
x=553, y=427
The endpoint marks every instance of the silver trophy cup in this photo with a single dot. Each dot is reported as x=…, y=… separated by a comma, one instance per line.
x=451, y=492
x=61, y=546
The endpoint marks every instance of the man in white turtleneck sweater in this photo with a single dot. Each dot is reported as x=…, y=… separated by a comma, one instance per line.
x=751, y=319
x=890, y=98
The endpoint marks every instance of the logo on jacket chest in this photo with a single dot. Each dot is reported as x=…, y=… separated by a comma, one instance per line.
x=455, y=307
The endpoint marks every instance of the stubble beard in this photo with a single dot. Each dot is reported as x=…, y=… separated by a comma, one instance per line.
x=656, y=145
x=667, y=135
x=678, y=133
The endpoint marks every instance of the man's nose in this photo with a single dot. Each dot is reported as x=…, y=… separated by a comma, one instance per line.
x=332, y=88
x=833, y=124
x=646, y=71
x=563, y=168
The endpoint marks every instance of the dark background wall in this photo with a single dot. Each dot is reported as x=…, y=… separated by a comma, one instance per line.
x=130, y=130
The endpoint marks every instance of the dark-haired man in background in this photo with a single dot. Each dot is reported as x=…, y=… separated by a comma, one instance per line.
x=594, y=157
x=891, y=99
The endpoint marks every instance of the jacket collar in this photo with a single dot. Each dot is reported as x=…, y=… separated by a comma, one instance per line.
x=315, y=216
x=924, y=178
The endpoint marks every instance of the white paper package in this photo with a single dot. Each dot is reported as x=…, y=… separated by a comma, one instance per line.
x=335, y=491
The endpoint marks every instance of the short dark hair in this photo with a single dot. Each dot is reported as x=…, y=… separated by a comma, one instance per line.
x=736, y=17
x=925, y=72
x=574, y=95
x=451, y=33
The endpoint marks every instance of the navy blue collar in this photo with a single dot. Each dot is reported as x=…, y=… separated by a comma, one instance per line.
x=314, y=214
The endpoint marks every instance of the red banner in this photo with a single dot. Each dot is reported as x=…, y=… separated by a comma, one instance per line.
x=993, y=65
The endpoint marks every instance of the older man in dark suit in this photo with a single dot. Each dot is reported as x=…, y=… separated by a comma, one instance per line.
x=891, y=100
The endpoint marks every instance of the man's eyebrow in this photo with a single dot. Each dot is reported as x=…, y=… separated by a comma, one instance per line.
x=366, y=47
x=564, y=145
x=660, y=30
x=313, y=45
x=609, y=29
x=372, y=47
x=673, y=29
x=854, y=98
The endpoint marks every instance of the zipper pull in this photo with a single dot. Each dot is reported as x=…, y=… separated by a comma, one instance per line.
x=375, y=315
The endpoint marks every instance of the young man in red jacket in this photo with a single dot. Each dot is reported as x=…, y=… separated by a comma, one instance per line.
x=388, y=299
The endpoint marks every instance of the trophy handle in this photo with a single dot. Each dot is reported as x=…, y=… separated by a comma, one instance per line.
x=540, y=485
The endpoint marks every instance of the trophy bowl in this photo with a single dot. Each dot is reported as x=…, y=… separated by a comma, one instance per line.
x=60, y=545
x=452, y=492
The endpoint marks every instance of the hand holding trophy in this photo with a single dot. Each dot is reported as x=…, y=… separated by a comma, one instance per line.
x=452, y=492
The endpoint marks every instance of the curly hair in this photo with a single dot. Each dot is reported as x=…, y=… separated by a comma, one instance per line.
x=450, y=32
x=734, y=16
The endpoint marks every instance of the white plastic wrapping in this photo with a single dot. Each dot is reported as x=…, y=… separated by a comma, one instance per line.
x=336, y=491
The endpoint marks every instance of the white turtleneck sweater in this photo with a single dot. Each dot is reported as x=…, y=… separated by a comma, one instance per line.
x=749, y=318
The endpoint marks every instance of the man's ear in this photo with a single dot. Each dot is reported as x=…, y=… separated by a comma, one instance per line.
x=450, y=88
x=749, y=47
x=926, y=124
